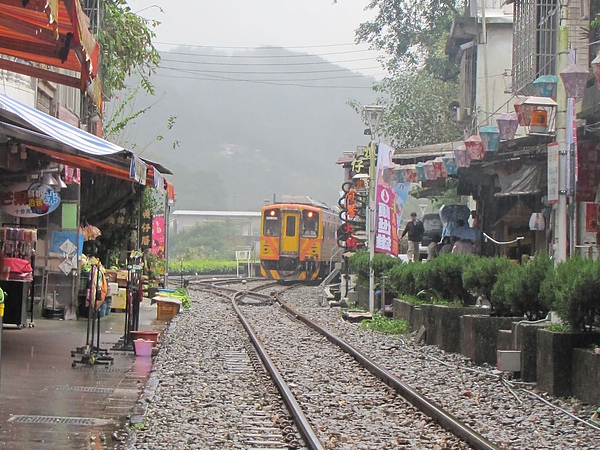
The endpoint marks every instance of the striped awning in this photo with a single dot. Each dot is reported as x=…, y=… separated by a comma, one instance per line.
x=68, y=144
x=50, y=33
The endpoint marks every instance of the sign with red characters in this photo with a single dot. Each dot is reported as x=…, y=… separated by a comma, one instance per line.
x=28, y=199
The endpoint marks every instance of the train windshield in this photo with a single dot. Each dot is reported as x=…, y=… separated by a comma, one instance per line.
x=272, y=223
x=310, y=224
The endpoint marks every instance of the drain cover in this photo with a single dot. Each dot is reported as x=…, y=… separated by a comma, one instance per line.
x=87, y=389
x=58, y=420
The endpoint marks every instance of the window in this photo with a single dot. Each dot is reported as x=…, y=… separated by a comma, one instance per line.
x=310, y=224
x=290, y=226
x=271, y=225
x=534, y=42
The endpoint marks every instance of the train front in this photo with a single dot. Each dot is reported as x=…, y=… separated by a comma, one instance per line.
x=290, y=242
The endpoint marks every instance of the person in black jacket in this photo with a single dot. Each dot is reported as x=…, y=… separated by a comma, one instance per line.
x=415, y=230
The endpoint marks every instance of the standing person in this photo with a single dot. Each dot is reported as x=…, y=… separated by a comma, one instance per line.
x=415, y=231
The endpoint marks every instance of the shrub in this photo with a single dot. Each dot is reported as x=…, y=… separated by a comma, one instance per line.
x=572, y=290
x=402, y=278
x=382, y=263
x=518, y=291
x=443, y=276
x=481, y=275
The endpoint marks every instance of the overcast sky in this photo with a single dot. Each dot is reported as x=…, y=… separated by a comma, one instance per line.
x=312, y=26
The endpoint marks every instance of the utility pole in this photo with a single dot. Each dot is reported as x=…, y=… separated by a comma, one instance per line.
x=561, y=212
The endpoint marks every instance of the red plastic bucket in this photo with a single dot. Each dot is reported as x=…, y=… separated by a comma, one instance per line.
x=141, y=347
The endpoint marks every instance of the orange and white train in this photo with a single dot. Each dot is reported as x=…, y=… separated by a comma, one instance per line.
x=298, y=240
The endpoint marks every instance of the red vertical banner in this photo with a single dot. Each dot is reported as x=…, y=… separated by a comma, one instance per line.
x=158, y=236
x=588, y=159
x=386, y=209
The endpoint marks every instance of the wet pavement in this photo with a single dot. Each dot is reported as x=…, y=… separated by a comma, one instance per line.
x=46, y=403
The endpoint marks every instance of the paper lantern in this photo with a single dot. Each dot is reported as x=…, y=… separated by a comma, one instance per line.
x=537, y=222
x=490, y=138
x=523, y=113
x=574, y=78
x=410, y=174
x=507, y=126
x=439, y=167
x=421, y=172
x=399, y=175
x=429, y=171
x=450, y=163
x=462, y=157
x=474, y=147
x=545, y=86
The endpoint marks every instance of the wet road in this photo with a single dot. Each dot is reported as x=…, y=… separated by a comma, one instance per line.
x=45, y=403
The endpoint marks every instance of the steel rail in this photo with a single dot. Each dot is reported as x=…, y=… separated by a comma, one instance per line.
x=304, y=426
x=427, y=407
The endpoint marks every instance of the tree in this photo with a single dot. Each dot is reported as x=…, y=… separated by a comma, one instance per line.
x=416, y=109
x=125, y=41
x=412, y=33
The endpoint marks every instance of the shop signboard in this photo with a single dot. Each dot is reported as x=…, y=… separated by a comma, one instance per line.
x=588, y=161
x=28, y=199
x=146, y=230
x=158, y=236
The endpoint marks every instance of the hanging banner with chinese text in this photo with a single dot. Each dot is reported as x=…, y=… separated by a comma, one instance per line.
x=588, y=161
x=158, y=236
x=386, y=211
x=146, y=229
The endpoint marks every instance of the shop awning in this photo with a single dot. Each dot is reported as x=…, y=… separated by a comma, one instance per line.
x=67, y=144
x=50, y=33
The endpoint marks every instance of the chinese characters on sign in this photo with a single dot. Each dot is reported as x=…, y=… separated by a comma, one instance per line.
x=29, y=199
x=146, y=230
x=386, y=214
x=158, y=236
x=588, y=159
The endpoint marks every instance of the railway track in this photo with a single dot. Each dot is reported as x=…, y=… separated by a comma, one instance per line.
x=324, y=386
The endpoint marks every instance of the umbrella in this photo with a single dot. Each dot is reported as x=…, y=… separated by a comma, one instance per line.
x=464, y=232
x=450, y=214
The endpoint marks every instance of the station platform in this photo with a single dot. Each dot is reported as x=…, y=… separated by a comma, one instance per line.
x=46, y=403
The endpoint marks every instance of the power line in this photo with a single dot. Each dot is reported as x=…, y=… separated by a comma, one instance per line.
x=272, y=83
x=268, y=72
x=254, y=48
x=266, y=64
x=266, y=56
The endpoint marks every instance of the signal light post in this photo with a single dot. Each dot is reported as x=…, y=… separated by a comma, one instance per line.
x=373, y=114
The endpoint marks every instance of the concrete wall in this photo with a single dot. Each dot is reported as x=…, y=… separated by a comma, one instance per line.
x=555, y=361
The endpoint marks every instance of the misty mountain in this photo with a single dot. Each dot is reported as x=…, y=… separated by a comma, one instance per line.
x=251, y=125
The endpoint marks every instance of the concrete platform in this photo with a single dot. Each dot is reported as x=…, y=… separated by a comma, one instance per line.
x=45, y=403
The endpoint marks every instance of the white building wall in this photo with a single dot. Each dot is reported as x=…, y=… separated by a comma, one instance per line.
x=494, y=61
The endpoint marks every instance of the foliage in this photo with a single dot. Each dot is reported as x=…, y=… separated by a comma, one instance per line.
x=412, y=33
x=518, y=291
x=124, y=113
x=416, y=110
x=202, y=267
x=481, y=276
x=444, y=192
x=125, y=41
x=385, y=325
x=443, y=276
x=558, y=327
x=572, y=291
x=210, y=241
x=180, y=294
x=402, y=278
x=382, y=263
